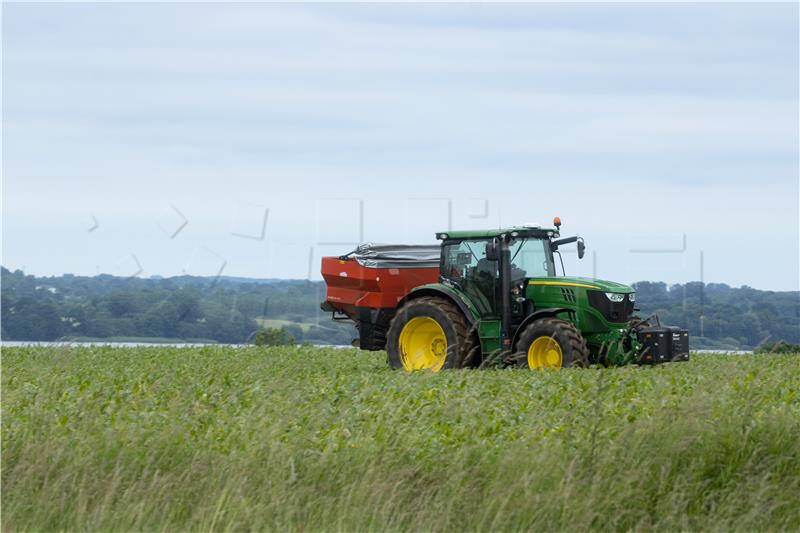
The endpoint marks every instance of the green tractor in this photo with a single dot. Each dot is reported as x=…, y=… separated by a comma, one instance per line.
x=494, y=298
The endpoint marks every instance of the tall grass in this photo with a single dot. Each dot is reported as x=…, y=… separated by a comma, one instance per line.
x=310, y=439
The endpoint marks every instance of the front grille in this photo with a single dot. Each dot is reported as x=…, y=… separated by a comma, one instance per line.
x=612, y=311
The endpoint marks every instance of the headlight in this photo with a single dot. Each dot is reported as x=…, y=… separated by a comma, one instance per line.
x=632, y=296
x=615, y=296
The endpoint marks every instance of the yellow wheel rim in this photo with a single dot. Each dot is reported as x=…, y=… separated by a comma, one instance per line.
x=545, y=352
x=423, y=344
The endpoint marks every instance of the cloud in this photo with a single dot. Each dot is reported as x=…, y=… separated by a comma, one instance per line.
x=675, y=116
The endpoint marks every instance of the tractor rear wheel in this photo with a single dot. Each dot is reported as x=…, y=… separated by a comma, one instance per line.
x=551, y=343
x=427, y=333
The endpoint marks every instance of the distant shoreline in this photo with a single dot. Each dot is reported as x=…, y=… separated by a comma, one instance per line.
x=135, y=344
x=195, y=311
x=129, y=344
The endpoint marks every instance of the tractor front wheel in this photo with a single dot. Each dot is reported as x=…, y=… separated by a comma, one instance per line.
x=427, y=333
x=551, y=343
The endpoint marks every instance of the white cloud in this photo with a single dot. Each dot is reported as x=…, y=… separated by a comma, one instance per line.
x=672, y=116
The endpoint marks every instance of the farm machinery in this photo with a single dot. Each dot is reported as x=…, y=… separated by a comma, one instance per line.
x=491, y=297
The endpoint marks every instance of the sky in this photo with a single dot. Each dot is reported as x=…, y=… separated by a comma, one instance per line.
x=253, y=139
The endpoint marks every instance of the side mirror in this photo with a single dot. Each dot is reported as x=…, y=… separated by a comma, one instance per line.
x=492, y=253
x=581, y=248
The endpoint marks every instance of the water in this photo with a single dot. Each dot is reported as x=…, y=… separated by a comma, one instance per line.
x=110, y=343
x=56, y=344
x=191, y=344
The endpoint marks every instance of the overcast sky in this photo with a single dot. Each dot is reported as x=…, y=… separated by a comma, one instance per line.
x=145, y=139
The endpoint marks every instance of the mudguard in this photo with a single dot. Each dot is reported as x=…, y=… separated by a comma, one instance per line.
x=443, y=291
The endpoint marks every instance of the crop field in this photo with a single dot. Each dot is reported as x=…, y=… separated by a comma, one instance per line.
x=311, y=439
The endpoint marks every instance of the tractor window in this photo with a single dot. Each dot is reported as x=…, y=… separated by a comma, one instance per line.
x=531, y=258
x=465, y=263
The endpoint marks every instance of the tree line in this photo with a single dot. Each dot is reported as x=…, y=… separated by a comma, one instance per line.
x=720, y=316
x=233, y=310
x=226, y=310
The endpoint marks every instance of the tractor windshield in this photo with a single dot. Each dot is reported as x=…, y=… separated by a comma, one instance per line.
x=531, y=258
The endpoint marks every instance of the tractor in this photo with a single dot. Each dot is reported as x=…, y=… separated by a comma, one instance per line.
x=491, y=298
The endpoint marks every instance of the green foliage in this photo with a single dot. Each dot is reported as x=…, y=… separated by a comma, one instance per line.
x=229, y=310
x=224, y=310
x=273, y=337
x=777, y=347
x=721, y=317
x=214, y=438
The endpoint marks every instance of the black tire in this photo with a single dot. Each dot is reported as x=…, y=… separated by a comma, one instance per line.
x=574, y=351
x=449, y=318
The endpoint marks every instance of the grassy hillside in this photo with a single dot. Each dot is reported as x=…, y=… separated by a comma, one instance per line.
x=307, y=439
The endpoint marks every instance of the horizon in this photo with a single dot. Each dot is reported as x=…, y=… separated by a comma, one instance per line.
x=156, y=277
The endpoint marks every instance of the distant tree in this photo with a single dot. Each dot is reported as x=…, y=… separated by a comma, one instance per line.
x=121, y=303
x=184, y=307
x=273, y=337
x=777, y=347
x=30, y=320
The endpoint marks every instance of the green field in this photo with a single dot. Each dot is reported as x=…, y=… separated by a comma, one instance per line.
x=304, y=439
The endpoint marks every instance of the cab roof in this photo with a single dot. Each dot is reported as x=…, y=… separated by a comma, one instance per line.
x=522, y=231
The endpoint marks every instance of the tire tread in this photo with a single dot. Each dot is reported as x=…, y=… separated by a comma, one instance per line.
x=454, y=316
x=578, y=349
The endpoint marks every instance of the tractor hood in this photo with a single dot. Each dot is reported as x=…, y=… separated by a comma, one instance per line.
x=586, y=283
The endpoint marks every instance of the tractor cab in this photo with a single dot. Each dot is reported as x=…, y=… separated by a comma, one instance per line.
x=492, y=269
x=473, y=265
